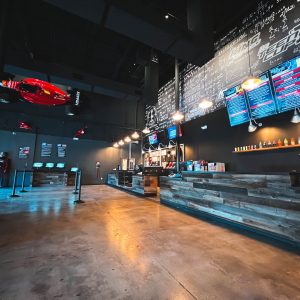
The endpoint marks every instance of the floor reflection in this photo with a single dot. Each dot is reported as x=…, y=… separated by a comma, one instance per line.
x=37, y=201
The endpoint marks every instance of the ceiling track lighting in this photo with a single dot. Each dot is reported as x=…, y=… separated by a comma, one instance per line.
x=252, y=81
x=296, y=116
x=253, y=125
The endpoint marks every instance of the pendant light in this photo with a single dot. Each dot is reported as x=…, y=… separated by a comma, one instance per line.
x=296, y=117
x=135, y=135
x=127, y=139
x=121, y=142
x=178, y=116
x=146, y=130
x=115, y=145
x=251, y=82
x=206, y=102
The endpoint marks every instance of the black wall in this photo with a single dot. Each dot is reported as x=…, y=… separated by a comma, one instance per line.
x=81, y=153
x=218, y=141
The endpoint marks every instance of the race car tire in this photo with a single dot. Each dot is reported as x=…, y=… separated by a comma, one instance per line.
x=8, y=95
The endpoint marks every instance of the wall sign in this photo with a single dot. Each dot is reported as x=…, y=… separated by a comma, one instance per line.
x=24, y=152
x=270, y=35
x=61, y=150
x=46, y=150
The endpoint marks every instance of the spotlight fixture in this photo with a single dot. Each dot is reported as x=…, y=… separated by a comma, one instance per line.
x=135, y=135
x=75, y=138
x=252, y=127
x=296, y=117
x=178, y=116
x=127, y=139
x=146, y=130
x=204, y=127
x=206, y=103
x=116, y=145
x=166, y=16
x=121, y=143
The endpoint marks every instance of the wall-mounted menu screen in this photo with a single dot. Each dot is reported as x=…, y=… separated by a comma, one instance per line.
x=153, y=138
x=49, y=165
x=286, y=81
x=261, y=100
x=236, y=105
x=172, y=132
x=60, y=165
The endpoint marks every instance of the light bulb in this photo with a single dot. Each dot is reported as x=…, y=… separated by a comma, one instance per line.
x=178, y=116
x=135, y=135
x=127, y=139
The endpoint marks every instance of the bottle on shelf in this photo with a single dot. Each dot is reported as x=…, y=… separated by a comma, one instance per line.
x=260, y=145
x=264, y=144
x=274, y=144
x=279, y=143
x=269, y=143
x=293, y=142
x=299, y=140
x=286, y=142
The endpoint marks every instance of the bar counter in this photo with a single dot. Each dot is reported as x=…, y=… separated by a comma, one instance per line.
x=262, y=202
x=145, y=185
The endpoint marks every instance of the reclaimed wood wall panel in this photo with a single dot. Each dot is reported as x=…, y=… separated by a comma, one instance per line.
x=263, y=201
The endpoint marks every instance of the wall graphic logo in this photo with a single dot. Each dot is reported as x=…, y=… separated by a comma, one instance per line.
x=151, y=117
x=267, y=51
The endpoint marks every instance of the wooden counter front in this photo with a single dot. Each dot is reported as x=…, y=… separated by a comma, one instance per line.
x=145, y=185
x=264, y=202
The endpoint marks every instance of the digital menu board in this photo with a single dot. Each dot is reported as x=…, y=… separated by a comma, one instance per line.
x=261, y=101
x=153, y=138
x=236, y=104
x=172, y=132
x=286, y=81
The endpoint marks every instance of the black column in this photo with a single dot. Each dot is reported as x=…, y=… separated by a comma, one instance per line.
x=3, y=31
x=177, y=109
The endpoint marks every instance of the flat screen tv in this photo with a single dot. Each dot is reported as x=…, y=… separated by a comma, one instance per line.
x=236, y=104
x=260, y=99
x=286, y=82
x=60, y=165
x=38, y=165
x=49, y=165
x=172, y=132
x=153, y=139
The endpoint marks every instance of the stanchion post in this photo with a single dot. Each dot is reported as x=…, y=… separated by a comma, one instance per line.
x=14, y=195
x=75, y=192
x=79, y=188
x=23, y=182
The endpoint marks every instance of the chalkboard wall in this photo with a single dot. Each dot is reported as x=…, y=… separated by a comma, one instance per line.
x=267, y=37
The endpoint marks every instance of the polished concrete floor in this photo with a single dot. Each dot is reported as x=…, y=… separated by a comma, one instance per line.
x=119, y=246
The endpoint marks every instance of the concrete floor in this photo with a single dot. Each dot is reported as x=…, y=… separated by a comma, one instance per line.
x=119, y=246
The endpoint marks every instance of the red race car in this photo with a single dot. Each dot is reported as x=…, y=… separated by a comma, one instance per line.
x=34, y=91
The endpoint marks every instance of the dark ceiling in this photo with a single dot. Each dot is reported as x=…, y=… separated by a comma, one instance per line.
x=102, y=46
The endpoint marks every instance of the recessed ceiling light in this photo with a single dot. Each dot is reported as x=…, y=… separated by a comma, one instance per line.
x=166, y=16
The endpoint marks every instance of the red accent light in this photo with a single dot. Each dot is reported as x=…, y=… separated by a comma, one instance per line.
x=24, y=125
x=80, y=132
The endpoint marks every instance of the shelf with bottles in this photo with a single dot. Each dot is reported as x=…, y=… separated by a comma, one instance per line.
x=268, y=146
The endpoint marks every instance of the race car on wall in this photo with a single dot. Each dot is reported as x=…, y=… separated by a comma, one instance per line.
x=34, y=91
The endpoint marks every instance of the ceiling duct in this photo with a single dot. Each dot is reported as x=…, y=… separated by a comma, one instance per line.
x=151, y=80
